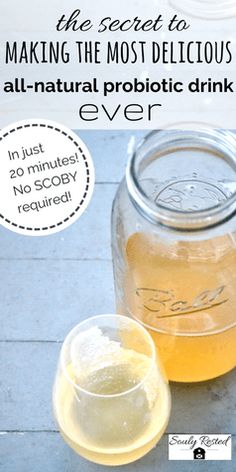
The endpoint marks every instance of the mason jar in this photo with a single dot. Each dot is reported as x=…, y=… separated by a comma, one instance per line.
x=174, y=249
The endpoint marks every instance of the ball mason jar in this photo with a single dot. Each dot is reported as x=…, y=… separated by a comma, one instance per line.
x=174, y=249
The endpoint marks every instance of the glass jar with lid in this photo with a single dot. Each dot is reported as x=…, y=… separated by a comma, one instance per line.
x=174, y=248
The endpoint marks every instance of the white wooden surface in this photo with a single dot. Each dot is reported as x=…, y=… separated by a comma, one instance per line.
x=47, y=286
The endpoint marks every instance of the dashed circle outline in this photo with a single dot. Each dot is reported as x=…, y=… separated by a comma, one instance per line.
x=61, y=131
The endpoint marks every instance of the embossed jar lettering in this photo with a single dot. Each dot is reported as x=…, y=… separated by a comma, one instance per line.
x=174, y=249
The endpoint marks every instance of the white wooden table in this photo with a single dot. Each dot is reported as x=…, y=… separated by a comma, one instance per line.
x=47, y=286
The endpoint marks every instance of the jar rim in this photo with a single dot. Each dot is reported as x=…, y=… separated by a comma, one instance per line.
x=222, y=142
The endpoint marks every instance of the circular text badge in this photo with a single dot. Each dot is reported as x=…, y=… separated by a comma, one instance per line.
x=46, y=177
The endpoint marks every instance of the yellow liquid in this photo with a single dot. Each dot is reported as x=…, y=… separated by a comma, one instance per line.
x=185, y=295
x=115, y=430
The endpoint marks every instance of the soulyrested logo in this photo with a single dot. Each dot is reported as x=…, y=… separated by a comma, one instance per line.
x=209, y=447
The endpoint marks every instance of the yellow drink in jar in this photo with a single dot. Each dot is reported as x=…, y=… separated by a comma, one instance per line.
x=184, y=293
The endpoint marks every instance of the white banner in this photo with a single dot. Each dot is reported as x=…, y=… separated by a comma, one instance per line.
x=118, y=65
x=217, y=447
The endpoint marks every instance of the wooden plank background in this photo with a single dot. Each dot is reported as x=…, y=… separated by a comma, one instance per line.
x=49, y=284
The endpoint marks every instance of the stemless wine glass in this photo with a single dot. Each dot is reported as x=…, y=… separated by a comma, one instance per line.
x=110, y=399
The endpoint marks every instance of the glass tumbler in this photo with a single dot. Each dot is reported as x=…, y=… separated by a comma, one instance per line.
x=174, y=248
x=110, y=399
